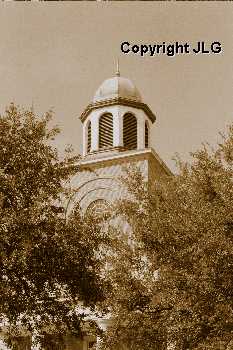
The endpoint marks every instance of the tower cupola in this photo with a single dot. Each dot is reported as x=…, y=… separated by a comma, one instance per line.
x=116, y=120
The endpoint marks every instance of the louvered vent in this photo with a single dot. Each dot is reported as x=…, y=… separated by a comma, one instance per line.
x=130, y=131
x=106, y=131
x=146, y=135
x=89, y=137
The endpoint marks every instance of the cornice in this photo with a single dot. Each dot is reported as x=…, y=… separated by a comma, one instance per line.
x=117, y=101
x=85, y=162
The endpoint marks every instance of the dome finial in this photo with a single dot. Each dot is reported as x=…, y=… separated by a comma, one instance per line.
x=32, y=106
x=117, y=68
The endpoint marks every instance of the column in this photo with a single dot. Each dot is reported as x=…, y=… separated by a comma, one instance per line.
x=140, y=131
x=117, y=128
x=95, y=131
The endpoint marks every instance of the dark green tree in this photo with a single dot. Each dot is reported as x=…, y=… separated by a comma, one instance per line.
x=183, y=231
x=48, y=261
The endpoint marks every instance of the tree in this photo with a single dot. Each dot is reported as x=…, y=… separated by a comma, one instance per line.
x=48, y=262
x=183, y=231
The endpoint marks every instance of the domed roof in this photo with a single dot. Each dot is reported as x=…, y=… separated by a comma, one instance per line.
x=117, y=87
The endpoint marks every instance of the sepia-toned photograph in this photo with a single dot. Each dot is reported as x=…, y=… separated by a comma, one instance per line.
x=116, y=175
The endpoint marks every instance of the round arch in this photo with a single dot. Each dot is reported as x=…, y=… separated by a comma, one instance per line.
x=106, y=131
x=147, y=135
x=99, y=207
x=130, y=131
x=89, y=136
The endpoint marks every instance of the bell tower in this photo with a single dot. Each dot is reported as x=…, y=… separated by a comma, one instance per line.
x=116, y=133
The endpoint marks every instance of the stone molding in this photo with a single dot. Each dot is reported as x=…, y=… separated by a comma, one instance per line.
x=85, y=162
x=117, y=101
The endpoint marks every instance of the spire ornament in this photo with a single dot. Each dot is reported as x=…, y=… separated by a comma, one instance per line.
x=117, y=68
x=32, y=106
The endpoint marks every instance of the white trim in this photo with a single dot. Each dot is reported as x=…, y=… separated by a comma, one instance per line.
x=124, y=155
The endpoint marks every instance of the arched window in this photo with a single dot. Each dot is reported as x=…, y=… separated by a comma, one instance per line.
x=98, y=208
x=89, y=137
x=130, y=131
x=106, y=131
x=146, y=135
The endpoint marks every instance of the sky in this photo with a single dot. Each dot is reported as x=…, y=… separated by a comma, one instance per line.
x=56, y=54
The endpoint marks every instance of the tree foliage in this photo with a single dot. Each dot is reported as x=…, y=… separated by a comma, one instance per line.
x=48, y=262
x=182, y=230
